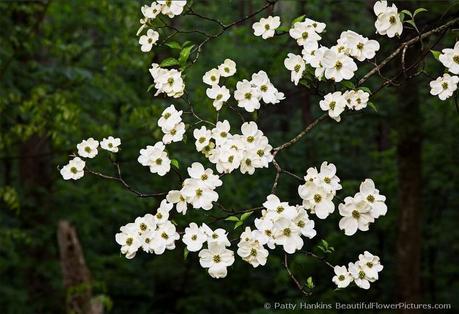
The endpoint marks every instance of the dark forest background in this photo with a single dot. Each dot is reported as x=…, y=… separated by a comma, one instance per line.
x=70, y=70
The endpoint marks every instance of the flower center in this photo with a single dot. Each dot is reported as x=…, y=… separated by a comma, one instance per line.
x=297, y=68
x=304, y=35
x=370, y=198
x=360, y=46
x=253, y=252
x=301, y=224
x=231, y=158
x=267, y=26
x=327, y=180
x=392, y=19
x=213, y=78
x=341, y=277
x=355, y=214
x=159, y=161
x=226, y=69
x=202, y=139
x=159, y=215
x=287, y=232
x=444, y=85
x=260, y=152
x=217, y=259
x=219, y=96
x=264, y=88
x=361, y=274
x=129, y=241
x=194, y=237
x=87, y=149
x=198, y=192
x=248, y=96
x=332, y=105
x=250, y=139
x=170, y=81
x=143, y=226
x=73, y=170
x=167, y=115
x=223, y=134
x=317, y=198
x=204, y=177
x=279, y=209
x=370, y=264
x=164, y=235
x=110, y=145
x=456, y=59
x=173, y=131
x=338, y=65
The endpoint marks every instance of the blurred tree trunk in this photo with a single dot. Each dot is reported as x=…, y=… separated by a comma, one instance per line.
x=409, y=127
x=77, y=279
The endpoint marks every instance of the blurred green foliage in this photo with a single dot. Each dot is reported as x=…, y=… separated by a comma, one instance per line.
x=73, y=69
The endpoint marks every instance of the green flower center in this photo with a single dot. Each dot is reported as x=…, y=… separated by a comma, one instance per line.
x=264, y=88
x=327, y=180
x=164, y=235
x=297, y=68
x=370, y=198
x=194, y=237
x=444, y=85
x=304, y=35
x=341, y=277
x=360, y=46
x=267, y=26
x=279, y=209
x=143, y=226
x=287, y=232
x=204, y=177
x=250, y=139
x=355, y=214
x=87, y=149
x=217, y=259
x=198, y=192
x=301, y=224
x=332, y=105
x=248, y=96
x=317, y=198
x=202, y=139
x=253, y=252
x=392, y=19
x=129, y=241
x=361, y=274
x=159, y=161
x=338, y=65
x=73, y=170
x=456, y=59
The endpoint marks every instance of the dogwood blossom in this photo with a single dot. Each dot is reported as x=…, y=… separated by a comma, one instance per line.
x=444, y=86
x=211, y=77
x=370, y=194
x=74, y=169
x=296, y=65
x=388, y=20
x=220, y=94
x=356, y=99
x=172, y=8
x=129, y=240
x=177, y=198
x=334, y=103
x=247, y=96
x=151, y=11
x=111, y=144
x=251, y=250
x=216, y=258
x=166, y=81
x=338, y=66
x=356, y=215
x=268, y=92
x=147, y=41
x=450, y=58
x=227, y=68
x=305, y=34
x=319, y=189
x=156, y=158
x=266, y=27
x=370, y=264
x=202, y=136
x=342, y=277
x=171, y=125
x=88, y=148
x=358, y=46
x=194, y=238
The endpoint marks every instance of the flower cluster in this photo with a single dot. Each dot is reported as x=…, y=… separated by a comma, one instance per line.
x=387, y=19
x=335, y=103
x=169, y=82
x=87, y=149
x=266, y=27
x=445, y=85
x=219, y=94
x=198, y=190
x=362, y=272
x=150, y=12
x=154, y=233
x=216, y=257
x=247, y=151
x=171, y=125
x=319, y=190
x=249, y=93
x=362, y=209
x=156, y=158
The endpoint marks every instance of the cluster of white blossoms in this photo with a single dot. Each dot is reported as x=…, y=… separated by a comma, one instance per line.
x=150, y=12
x=216, y=257
x=335, y=103
x=266, y=27
x=219, y=94
x=335, y=63
x=319, y=190
x=280, y=224
x=445, y=85
x=388, y=20
x=249, y=93
x=197, y=190
x=153, y=233
x=246, y=151
x=156, y=158
x=171, y=125
x=167, y=81
x=88, y=149
x=362, y=272
x=362, y=209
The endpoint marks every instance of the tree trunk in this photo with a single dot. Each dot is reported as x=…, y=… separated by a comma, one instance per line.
x=410, y=182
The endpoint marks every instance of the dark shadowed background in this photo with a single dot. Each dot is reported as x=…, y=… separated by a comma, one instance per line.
x=70, y=70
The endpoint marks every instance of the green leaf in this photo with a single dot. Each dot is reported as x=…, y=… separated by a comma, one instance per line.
x=298, y=19
x=309, y=283
x=407, y=13
x=246, y=215
x=402, y=16
x=169, y=62
x=348, y=84
x=232, y=218
x=175, y=163
x=150, y=87
x=238, y=224
x=365, y=89
x=436, y=54
x=186, y=43
x=373, y=106
x=283, y=28
x=419, y=11
x=412, y=23
x=174, y=45
x=185, y=253
x=185, y=54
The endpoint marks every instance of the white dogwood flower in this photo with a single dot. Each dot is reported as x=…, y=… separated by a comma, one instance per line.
x=220, y=94
x=342, y=277
x=338, y=66
x=194, y=238
x=356, y=99
x=296, y=65
x=216, y=258
x=147, y=41
x=334, y=103
x=202, y=136
x=227, y=68
x=129, y=240
x=449, y=57
x=266, y=27
x=211, y=77
x=111, y=144
x=74, y=169
x=388, y=20
x=356, y=215
x=177, y=198
x=376, y=201
x=88, y=148
x=156, y=158
x=247, y=96
x=444, y=86
x=172, y=8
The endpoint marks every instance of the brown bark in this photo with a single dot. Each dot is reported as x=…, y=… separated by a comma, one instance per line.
x=410, y=190
x=77, y=279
